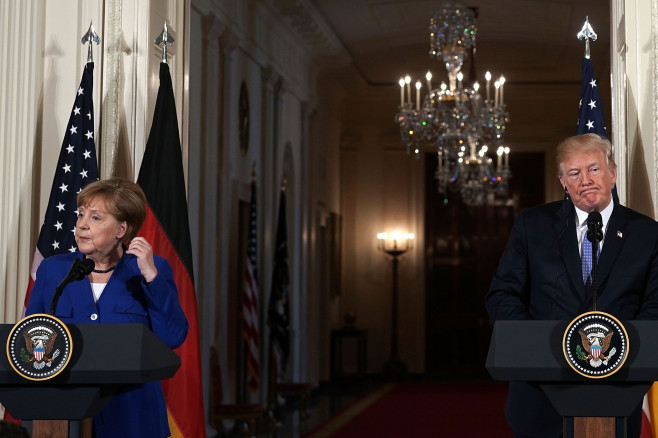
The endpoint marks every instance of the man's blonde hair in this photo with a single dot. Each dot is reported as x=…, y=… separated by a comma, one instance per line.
x=583, y=143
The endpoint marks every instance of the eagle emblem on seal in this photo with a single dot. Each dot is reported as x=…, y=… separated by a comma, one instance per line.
x=596, y=343
x=40, y=349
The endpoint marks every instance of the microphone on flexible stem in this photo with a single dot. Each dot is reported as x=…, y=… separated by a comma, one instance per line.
x=79, y=270
x=594, y=235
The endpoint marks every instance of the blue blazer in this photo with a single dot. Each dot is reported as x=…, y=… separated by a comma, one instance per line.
x=139, y=411
x=539, y=277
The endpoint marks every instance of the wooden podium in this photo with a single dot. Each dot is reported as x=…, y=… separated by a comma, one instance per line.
x=105, y=358
x=532, y=351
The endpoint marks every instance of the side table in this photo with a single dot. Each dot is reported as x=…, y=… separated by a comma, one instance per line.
x=337, y=337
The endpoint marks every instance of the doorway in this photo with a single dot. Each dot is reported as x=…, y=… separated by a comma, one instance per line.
x=463, y=246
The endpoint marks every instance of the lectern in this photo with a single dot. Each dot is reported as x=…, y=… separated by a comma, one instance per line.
x=105, y=358
x=532, y=351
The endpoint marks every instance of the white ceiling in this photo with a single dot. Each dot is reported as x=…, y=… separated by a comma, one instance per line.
x=530, y=41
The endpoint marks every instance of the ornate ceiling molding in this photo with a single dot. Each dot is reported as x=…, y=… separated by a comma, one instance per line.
x=308, y=23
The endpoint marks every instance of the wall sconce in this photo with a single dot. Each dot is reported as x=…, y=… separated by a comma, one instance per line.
x=395, y=244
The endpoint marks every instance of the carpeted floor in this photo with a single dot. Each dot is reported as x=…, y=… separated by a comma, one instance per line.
x=422, y=409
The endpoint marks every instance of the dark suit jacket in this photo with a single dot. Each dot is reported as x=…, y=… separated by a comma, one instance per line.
x=539, y=277
x=138, y=411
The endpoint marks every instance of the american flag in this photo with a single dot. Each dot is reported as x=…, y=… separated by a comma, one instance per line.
x=590, y=111
x=250, y=299
x=590, y=114
x=76, y=167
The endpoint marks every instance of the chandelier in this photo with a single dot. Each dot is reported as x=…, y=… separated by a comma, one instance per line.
x=453, y=119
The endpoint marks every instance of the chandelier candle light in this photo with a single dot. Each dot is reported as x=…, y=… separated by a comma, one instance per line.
x=453, y=119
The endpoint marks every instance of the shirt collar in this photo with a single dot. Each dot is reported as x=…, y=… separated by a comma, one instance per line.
x=581, y=216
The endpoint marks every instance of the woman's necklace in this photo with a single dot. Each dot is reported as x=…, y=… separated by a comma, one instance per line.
x=105, y=271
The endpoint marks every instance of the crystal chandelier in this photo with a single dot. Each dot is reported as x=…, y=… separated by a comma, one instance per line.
x=453, y=119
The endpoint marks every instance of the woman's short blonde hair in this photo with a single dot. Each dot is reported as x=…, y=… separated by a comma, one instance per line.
x=123, y=199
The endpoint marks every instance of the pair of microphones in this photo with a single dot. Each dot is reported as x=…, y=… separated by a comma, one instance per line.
x=594, y=227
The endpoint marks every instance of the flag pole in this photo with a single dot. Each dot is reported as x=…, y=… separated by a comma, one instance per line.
x=162, y=178
x=590, y=113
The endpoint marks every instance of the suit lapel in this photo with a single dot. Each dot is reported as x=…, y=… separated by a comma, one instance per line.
x=565, y=227
x=612, y=243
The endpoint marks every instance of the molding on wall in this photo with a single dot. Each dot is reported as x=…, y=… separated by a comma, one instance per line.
x=619, y=102
x=112, y=43
x=313, y=30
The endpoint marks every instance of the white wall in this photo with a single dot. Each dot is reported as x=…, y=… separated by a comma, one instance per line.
x=22, y=98
x=250, y=41
x=635, y=107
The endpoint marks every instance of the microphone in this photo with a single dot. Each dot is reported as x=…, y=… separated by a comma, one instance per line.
x=79, y=270
x=82, y=268
x=594, y=235
x=594, y=227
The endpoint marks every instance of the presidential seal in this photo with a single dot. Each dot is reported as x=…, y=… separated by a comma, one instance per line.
x=595, y=345
x=39, y=347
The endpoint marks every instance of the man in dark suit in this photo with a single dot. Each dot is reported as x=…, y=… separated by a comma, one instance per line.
x=540, y=272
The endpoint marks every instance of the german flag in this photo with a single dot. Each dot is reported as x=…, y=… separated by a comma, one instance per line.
x=167, y=229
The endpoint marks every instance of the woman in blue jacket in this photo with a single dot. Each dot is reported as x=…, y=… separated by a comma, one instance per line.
x=129, y=284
